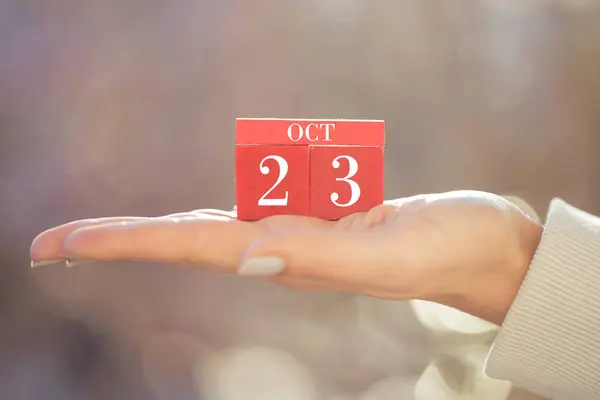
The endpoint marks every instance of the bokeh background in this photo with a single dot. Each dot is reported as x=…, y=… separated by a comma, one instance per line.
x=128, y=108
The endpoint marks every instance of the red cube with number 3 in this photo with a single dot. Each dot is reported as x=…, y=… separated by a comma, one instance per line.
x=345, y=180
x=322, y=168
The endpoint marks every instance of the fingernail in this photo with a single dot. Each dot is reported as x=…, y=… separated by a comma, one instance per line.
x=73, y=263
x=35, y=264
x=262, y=266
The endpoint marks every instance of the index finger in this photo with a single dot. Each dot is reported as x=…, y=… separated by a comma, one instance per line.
x=47, y=246
x=198, y=240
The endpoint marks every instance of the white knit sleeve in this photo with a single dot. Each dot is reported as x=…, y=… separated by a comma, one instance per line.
x=550, y=341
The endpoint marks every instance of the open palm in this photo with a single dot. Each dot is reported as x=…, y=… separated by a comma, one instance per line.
x=430, y=247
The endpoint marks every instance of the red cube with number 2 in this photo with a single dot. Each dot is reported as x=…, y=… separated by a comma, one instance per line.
x=322, y=168
x=272, y=180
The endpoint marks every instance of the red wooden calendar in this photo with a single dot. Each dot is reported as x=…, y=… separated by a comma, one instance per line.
x=321, y=168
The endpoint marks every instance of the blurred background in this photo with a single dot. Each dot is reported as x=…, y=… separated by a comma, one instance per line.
x=129, y=107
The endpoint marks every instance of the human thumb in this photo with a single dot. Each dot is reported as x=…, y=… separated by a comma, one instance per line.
x=333, y=255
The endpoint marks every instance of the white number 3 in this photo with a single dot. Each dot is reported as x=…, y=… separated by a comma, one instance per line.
x=283, y=171
x=354, y=187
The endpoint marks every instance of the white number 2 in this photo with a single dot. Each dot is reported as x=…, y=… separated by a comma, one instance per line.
x=354, y=187
x=283, y=171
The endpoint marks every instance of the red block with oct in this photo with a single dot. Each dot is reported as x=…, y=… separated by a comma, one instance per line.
x=307, y=132
x=323, y=168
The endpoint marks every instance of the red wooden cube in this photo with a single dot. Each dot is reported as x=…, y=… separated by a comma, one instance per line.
x=345, y=180
x=323, y=168
x=272, y=180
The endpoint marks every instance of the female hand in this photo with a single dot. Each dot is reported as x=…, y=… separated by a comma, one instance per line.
x=469, y=250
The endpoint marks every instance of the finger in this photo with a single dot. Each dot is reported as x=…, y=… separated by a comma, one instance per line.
x=210, y=211
x=205, y=211
x=47, y=245
x=344, y=257
x=196, y=240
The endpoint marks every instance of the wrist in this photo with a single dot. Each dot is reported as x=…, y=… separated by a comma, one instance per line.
x=490, y=295
x=501, y=292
